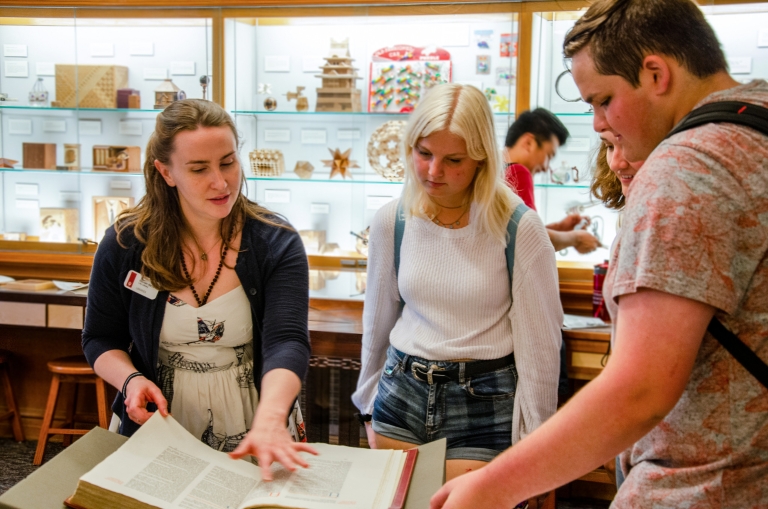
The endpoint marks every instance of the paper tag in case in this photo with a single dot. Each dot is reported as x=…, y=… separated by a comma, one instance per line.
x=141, y=285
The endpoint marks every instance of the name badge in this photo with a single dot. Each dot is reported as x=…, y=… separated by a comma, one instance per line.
x=135, y=282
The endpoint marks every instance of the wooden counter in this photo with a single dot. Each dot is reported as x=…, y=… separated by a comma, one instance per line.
x=39, y=326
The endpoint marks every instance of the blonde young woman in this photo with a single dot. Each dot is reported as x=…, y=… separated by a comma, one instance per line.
x=492, y=351
x=198, y=298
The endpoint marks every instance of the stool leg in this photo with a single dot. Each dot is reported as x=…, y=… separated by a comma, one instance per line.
x=18, y=431
x=71, y=411
x=50, y=408
x=101, y=403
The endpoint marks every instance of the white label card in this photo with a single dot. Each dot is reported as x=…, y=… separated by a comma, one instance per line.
x=139, y=284
x=183, y=68
x=45, y=69
x=102, y=49
x=16, y=69
x=740, y=65
x=280, y=135
x=577, y=145
x=348, y=134
x=320, y=208
x=762, y=38
x=277, y=196
x=314, y=136
x=141, y=48
x=55, y=126
x=130, y=127
x=89, y=127
x=14, y=50
x=27, y=204
x=155, y=73
x=73, y=196
x=19, y=126
x=27, y=189
x=277, y=63
x=376, y=202
x=120, y=184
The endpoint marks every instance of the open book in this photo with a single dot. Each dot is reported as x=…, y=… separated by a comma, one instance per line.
x=163, y=466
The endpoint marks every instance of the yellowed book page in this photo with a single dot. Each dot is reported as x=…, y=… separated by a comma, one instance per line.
x=339, y=477
x=391, y=479
x=166, y=467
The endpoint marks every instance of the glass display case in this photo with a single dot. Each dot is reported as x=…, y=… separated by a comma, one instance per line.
x=322, y=97
x=79, y=100
x=743, y=33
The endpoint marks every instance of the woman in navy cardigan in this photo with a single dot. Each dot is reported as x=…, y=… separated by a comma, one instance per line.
x=198, y=298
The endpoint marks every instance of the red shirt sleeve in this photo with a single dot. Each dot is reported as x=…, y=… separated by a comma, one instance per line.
x=520, y=180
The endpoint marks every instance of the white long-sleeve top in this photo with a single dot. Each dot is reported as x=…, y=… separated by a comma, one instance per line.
x=458, y=305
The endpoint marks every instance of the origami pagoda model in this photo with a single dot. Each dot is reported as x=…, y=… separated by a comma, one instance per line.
x=338, y=92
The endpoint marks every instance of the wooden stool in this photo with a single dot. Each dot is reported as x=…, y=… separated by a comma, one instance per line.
x=10, y=401
x=77, y=370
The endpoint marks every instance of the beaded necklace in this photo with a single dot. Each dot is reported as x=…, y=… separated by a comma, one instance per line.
x=201, y=303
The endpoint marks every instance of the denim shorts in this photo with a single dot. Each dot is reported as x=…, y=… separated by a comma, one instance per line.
x=474, y=414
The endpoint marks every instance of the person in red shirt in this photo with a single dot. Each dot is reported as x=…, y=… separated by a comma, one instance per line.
x=532, y=142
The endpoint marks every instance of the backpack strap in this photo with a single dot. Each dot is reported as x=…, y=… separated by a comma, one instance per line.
x=732, y=112
x=740, y=351
x=756, y=117
x=399, y=231
x=512, y=231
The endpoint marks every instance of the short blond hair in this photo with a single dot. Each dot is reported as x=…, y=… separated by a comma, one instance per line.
x=464, y=111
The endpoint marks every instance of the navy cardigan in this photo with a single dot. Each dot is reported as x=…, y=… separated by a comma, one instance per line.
x=272, y=267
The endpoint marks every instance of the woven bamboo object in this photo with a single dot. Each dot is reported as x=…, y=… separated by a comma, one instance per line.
x=89, y=86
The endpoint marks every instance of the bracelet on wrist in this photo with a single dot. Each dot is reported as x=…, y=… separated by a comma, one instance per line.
x=128, y=379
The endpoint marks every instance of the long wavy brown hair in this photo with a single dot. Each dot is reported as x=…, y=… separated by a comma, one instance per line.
x=157, y=221
x=606, y=186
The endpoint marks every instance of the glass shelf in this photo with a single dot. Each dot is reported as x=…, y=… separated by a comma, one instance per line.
x=356, y=179
x=83, y=171
x=51, y=108
x=340, y=113
x=563, y=186
x=586, y=114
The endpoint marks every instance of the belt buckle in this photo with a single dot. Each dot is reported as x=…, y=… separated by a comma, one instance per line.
x=432, y=369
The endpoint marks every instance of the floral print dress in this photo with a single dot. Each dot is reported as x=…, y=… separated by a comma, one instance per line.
x=206, y=369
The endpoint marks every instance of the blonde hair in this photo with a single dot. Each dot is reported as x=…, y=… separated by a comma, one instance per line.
x=157, y=221
x=464, y=111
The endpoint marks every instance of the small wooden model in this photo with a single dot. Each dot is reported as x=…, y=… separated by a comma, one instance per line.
x=340, y=164
x=59, y=225
x=116, y=158
x=303, y=169
x=385, y=150
x=267, y=162
x=313, y=240
x=128, y=98
x=338, y=92
x=7, y=163
x=105, y=212
x=167, y=93
x=302, y=104
x=39, y=156
x=72, y=156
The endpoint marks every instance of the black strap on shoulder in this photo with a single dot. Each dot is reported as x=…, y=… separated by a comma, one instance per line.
x=756, y=117
x=731, y=112
x=740, y=351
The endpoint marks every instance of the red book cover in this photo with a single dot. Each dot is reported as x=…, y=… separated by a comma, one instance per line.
x=405, y=479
